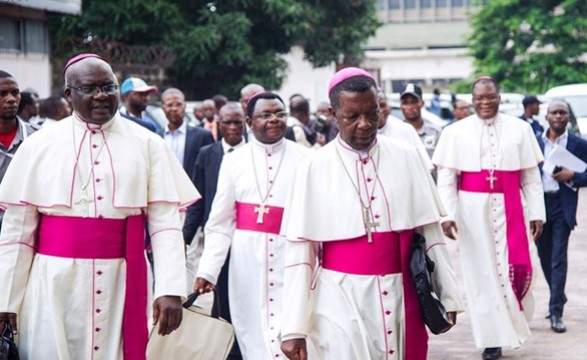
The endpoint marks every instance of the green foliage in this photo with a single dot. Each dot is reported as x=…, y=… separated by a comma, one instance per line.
x=531, y=46
x=221, y=46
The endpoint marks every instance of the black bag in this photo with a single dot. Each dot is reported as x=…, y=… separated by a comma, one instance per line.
x=8, y=349
x=432, y=309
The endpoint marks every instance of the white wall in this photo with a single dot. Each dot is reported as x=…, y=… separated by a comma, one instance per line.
x=302, y=78
x=30, y=71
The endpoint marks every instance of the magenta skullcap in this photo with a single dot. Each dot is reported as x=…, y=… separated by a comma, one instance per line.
x=347, y=73
x=80, y=57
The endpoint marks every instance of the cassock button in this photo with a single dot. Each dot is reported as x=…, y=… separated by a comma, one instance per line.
x=269, y=154
x=97, y=329
x=98, y=180
x=270, y=195
x=365, y=162
x=100, y=216
x=271, y=255
x=270, y=167
x=98, y=311
x=271, y=269
x=369, y=179
x=377, y=216
x=389, y=332
x=372, y=198
x=270, y=284
x=96, y=162
x=99, y=272
x=271, y=240
x=276, y=355
x=385, y=293
x=93, y=131
x=271, y=299
x=98, y=292
x=96, y=348
x=272, y=314
x=391, y=351
x=270, y=181
x=94, y=145
x=99, y=197
x=388, y=312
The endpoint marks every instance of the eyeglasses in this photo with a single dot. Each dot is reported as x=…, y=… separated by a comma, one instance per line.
x=109, y=89
x=282, y=115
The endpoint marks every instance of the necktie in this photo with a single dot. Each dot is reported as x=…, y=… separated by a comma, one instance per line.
x=230, y=150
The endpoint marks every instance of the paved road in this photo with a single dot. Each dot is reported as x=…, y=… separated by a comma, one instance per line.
x=458, y=344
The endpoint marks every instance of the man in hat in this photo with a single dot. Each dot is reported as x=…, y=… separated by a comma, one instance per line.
x=531, y=109
x=361, y=302
x=135, y=94
x=245, y=218
x=72, y=245
x=489, y=181
x=411, y=104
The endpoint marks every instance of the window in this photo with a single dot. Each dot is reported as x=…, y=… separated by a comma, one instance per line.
x=425, y=4
x=410, y=4
x=394, y=4
x=457, y=3
x=9, y=35
x=441, y=3
x=35, y=37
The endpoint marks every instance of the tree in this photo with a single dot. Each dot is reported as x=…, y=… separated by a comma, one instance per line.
x=218, y=47
x=531, y=46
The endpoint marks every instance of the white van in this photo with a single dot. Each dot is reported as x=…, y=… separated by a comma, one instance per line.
x=576, y=96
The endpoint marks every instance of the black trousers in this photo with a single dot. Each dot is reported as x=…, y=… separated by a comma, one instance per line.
x=552, y=248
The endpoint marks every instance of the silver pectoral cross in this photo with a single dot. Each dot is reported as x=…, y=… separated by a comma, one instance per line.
x=369, y=225
x=491, y=180
x=261, y=210
x=85, y=202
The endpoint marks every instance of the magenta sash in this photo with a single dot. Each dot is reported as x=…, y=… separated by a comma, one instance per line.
x=93, y=238
x=246, y=218
x=389, y=253
x=508, y=183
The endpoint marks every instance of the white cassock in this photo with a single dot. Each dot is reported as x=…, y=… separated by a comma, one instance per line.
x=72, y=308
x=344, y=314
x=251, y=174
x=470, y=145
x=397, y=129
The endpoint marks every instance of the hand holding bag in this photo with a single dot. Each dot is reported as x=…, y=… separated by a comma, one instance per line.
x=432, y=309
x=200, y=336
x=8, y=349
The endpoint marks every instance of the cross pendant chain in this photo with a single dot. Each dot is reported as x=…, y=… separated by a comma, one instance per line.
x=261, y=210
x=491, y=180
x=85, y=202
x=369, y=225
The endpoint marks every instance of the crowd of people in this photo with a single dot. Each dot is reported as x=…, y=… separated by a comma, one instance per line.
x=303, y=223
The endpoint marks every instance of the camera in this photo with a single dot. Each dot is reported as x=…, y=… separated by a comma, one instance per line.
x=320, y=123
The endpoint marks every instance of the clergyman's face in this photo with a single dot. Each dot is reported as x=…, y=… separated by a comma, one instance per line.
x=95, y=107
x=358, y=118
x=9, y=98
x=268, y=122
x=486, y=100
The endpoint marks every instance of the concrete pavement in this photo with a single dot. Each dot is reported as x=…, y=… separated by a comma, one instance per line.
x=458, y=343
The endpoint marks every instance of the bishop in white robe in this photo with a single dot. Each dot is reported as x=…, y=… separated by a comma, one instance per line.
x=72, y=259
x=349, y=221
x=489, y=182
x=245, y=218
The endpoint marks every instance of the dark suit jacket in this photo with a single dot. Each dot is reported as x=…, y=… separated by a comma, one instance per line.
x=569, y=197
x=196, y=138
x=141, y=122
x=205, y=177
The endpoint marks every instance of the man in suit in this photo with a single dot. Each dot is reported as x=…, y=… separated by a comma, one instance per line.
x=205, y=177
x=561, y=198
x=185, y=141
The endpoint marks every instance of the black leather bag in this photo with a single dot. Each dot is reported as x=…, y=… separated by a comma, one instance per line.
x=8, y=349
x=432, y=309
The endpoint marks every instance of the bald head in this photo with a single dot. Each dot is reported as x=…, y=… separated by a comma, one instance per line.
x=172, y=91
x=247, y=92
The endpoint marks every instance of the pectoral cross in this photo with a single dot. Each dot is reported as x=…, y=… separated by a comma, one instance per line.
x=85, y=202
x=491, y=180
x=369, y=225
x=261, y=210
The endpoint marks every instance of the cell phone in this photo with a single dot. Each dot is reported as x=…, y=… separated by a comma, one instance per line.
x=557, y=169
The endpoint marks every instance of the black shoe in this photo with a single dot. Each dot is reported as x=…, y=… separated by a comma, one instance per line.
x=547, y=315
x=557, y=325
x=491, y=353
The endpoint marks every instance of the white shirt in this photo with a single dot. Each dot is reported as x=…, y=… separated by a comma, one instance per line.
x=548, y=182
x=176, y=140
